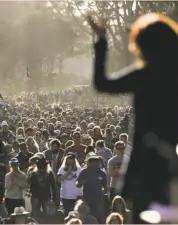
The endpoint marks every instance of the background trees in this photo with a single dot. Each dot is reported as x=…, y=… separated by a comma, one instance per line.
x=41, y=35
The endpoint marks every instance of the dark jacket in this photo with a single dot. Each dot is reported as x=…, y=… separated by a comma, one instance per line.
x=43, y=187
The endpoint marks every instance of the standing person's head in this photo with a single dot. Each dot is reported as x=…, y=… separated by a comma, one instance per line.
x=119, y=205
x=23, y=148
x=38, y=136
x=20, y=131
x=118, y=130
x=55, y=146
x=42, y=165
x=99, y=145
x=89, y=149
x=82, y=208
x=29, y=132
x=93, y=162
x=146, y=44
x=20, y=215
x=14, y=164
x=123, y=137
x=119, y=148
x=114, y=218
x=4, y=126
x=76, y=138
x=51, y=127
x=15, y=146
x=97, y=131
x=70, y=161
x=87, y=140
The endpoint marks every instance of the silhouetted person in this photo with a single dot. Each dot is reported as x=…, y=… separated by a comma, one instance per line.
x=154, y=83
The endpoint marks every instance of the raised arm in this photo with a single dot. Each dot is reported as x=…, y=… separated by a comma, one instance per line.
x=126, y=80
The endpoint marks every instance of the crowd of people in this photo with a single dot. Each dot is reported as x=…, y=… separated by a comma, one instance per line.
x=58, y=164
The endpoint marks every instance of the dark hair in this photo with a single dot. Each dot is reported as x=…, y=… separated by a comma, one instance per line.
x=89, y=149
x=100, y=143
x=29, y=129
x=55, y=142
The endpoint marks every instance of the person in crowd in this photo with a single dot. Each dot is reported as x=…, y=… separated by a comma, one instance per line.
x=83, y=210
x=15, y=150
x=32, y=145
x=89, y=149
x=103, y=151
x=54, y=155
x=29, y=132
x=97, y=134
x=5, y=131
x=15, y=185
x=114, y=165
x=77, y=148
x=108, y=138
x=94, y=182
x=119, y=206
x=24, y=156
x=42, y=187
x=20, y=216
x=67, y=175
x=114, y=218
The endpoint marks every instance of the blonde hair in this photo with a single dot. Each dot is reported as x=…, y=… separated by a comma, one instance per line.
x=142, y=23
x=30, y=140
x=64, y=165
x=119, y=199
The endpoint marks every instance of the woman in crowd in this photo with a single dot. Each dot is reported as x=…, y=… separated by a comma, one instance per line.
x=32, y=145
x=42, y=187
x=119, y=206
x=114, y=218
x=67, y=175
x=83, y=213
x=15, y=185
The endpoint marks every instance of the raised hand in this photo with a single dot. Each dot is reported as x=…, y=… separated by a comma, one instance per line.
x=99, y=29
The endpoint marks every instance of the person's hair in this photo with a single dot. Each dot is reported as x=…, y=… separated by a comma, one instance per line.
x=31, y=140
x=100, y=144
x=119, y=200
x=119, y=143
x=76, y=133
x=97, y=128
x=145, y=36
x=29, y=129
x=123, y=135
x=18, y=131
x=112, y=216
x=89, y=149
x=55, y=142
x=81, y=206
x=65, y=165
x=74, y=221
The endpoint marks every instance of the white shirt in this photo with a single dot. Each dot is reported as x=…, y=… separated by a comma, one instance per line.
x=14, y=187
x=68, y=186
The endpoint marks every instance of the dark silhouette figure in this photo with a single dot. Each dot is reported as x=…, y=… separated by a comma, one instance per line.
x=154, y=84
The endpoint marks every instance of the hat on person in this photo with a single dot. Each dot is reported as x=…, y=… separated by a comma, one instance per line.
x=19, y=211
x=14, y=161
x=4, y=123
